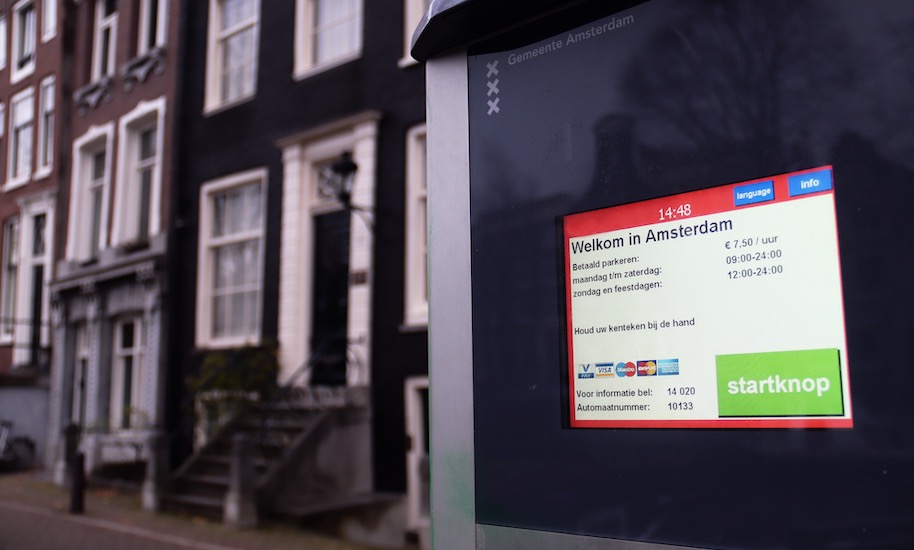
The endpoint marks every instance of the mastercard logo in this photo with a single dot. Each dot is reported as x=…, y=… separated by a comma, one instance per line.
x=647, y=368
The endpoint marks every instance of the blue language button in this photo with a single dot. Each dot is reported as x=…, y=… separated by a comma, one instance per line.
x=812, y=182
x=753, y=193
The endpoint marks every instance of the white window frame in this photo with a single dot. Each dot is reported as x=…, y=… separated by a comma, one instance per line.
x=205, y=258
x=18, y=72
x=416, y=269
x=30, y=208
x=213, y=100
x=104, y=68
x=96, y=139
x=3, y=41
x=10, y=278
x=413, y=11
x=48, y=19
x=47, y=119
x=146, y=15
x=81, y=350
x=305, y=63
x=416, y=517
x=14, y=179
x=146, y=115
x=118, y=356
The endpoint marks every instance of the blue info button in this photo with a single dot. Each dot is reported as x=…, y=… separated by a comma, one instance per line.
x=811, y=182
x=753, y=193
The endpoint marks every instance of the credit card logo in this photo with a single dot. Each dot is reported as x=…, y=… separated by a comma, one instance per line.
x=605, y=370
x=625, y=369
x=647, y=368
x=666, y=367
x=585, y=370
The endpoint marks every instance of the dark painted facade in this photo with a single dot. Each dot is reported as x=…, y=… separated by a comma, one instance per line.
x=272, y=142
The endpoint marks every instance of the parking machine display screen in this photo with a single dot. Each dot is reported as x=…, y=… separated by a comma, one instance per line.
x=714, y=308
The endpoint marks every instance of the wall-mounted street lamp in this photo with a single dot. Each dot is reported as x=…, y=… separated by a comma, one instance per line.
x=336, y=179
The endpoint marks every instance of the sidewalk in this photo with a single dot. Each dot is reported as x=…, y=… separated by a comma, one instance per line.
x=33, y=515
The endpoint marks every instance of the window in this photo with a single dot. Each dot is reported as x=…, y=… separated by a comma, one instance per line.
x=46, y=127
x=413, y=10
x=48, y=20
x=36, y=274
x=126, y=374
x=23, y=40
x=10, y=278
x=2, y=42
x=96, y=188
x=418, y=505
x=136, y=216
x=230, y=265
x=416, y=291
x=103, y=58
x=32, y=334
x=86, y=233
x=329, y=33
x=80, y=370
x=232, y=51
x=22, y=112
x=146, y=161
x=151, y=25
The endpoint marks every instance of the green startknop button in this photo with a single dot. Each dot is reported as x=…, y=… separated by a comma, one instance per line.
x=780, y=383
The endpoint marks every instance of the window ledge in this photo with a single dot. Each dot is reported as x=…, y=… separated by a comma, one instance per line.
x=133, y=245
x=41, y=173
x=415, y=320
x=138, y=69
x=311, y=70
x=18, y=74
x=15, y=183
x=217, y=108
x=414, y=326
x=226, y=343
x=406, y=61
x=92, y=94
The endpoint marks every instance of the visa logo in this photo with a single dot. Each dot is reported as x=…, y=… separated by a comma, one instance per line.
x=606, y=370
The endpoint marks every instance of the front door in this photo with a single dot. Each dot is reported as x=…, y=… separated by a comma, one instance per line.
x=331, y=299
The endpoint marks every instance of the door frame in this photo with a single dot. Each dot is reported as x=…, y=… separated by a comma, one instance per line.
x=302, y=155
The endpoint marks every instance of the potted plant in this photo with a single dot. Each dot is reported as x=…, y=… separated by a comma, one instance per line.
x=228, y=382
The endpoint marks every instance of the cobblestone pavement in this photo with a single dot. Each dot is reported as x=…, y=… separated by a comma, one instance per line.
x=33, y=516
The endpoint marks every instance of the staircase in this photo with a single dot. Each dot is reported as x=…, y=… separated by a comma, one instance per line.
x=312, y=465
x=199, y=486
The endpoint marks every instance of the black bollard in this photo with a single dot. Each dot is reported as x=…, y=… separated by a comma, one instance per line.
x=78, y=484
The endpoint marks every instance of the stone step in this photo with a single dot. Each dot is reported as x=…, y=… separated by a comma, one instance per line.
x=267, y=450
x=255, y=426
x=308, y=507
x=208, y=486
x=222, y=481
x=195, y=505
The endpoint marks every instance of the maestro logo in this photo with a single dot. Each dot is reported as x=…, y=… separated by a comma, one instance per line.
x=647, y=368
x=624, y=369
x=585, y=370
